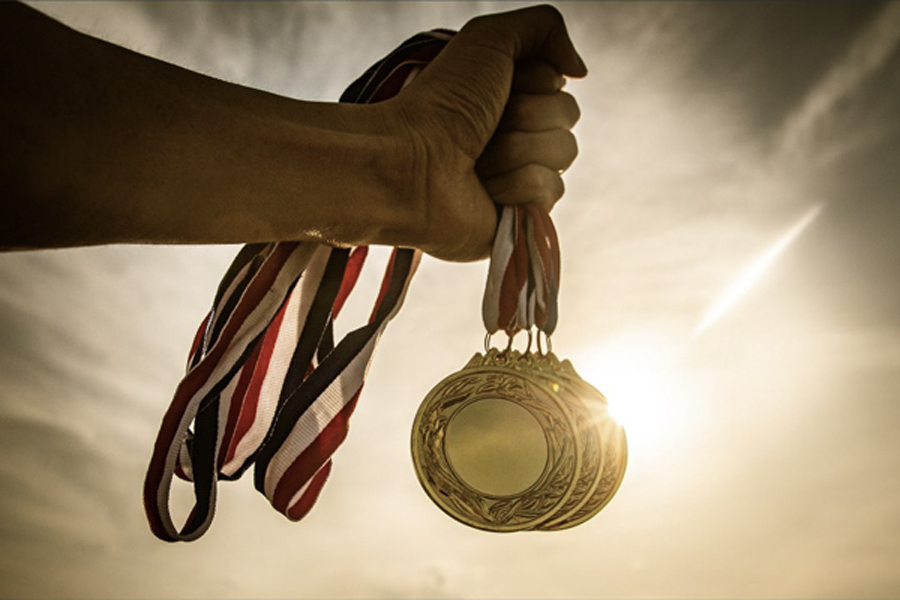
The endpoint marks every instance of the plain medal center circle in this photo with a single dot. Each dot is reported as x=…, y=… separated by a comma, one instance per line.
x=496, y=447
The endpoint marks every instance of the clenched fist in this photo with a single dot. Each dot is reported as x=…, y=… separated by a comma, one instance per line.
x=489, y=123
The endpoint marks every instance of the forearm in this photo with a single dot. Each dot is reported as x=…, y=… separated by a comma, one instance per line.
x=102, y=145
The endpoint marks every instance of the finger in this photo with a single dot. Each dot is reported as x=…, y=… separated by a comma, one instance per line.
x=531, y=183
x=535, y=76
x=555, y=149
x=540, y=112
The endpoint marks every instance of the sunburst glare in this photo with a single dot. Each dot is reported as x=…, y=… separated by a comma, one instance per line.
x=637, y=378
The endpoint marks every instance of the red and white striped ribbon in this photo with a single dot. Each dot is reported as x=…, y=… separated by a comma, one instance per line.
x=266, y=385
x=523, y=277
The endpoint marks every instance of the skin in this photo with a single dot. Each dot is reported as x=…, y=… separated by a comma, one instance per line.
x=101, y=145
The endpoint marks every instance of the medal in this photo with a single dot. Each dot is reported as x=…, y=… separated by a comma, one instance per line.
x=518, y=440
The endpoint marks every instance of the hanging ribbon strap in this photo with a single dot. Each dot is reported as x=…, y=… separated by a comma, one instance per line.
x=266, y=385
x=523, y=277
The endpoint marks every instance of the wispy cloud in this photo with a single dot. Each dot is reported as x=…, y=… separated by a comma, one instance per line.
x=804, y=131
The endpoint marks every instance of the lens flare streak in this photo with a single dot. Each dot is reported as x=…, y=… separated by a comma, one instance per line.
x=754, y=272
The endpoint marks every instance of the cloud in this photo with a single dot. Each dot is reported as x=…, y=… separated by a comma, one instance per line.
x=806, y=130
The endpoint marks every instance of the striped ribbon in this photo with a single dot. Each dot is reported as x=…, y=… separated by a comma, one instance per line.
x=266, y=386
x=523, y=277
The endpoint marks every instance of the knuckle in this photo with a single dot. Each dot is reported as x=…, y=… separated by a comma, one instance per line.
x=480, y=22
x=525, y=112
x=546, y=197
x=515, y=110
x=571, y=108
x=536, y=183
x=515, y=144
x=571, y=143
x=531, y=183
x=560, y=188
x=565, y=148
x=548, y=14
x=552, y=188
x=489, y=29
x=537, y=76
x=502, y=145
x=534, y=176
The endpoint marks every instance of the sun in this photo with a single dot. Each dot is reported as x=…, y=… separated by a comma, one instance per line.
x=638, y=379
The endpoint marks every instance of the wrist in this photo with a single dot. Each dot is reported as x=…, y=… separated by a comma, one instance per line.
x=349, y=167
x=269, y=168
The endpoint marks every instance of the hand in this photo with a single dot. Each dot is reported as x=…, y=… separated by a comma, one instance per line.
x=490, y=124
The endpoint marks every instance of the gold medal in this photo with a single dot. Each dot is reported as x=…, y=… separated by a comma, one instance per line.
x=517, y=440
x=494, y=445
x=514, y=442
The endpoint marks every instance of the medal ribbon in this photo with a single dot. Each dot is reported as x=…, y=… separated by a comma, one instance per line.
x=523, y=277
x=266, y=385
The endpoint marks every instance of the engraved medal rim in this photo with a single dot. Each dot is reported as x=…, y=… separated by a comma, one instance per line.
x=617, y=460
x=587, y=431
x=555, y=456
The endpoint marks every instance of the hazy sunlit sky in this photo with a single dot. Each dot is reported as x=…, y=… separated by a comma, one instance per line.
x=731, y=282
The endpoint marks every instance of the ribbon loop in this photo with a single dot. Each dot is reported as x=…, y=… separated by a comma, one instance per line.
x=266, y=386
x=523, y=277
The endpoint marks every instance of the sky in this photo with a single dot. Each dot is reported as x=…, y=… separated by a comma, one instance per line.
x=731, y=283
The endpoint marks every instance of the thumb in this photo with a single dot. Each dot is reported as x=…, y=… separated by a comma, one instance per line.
x=534, y=32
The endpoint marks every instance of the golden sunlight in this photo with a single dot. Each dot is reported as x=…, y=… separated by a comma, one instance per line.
x=637, y=378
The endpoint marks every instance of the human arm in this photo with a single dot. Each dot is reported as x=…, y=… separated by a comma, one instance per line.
x=103, y=145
